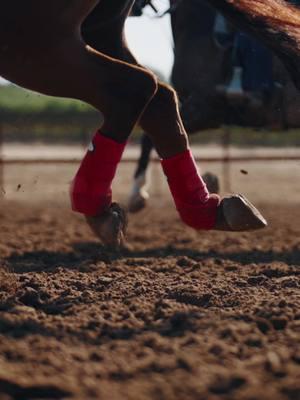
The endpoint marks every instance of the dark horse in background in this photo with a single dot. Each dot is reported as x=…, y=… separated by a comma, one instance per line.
x=44, y=48
x=203, y=68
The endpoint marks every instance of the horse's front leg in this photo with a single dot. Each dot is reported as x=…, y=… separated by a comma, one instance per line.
x=121, y=92
x=196, y=206
x=274, y=22
x=65, y=66
x=162, y=122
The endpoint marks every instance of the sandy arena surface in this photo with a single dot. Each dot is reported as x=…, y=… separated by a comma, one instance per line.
x=175, y=315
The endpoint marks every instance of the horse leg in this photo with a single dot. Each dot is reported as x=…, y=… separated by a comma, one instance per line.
x=274, y=22
x=138, y=194
x=93, y=32
x=171, y=137
x=70, y=68
x=196, y=206
x=143, y=162
x=161, y=120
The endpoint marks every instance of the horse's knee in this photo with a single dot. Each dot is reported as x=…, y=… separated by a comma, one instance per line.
x=166, y=99
x=167, y=95
x=161, y=120
x=150, y=85
x=144, y=82
x=164, y=103
x=124, y=100
x=136, y=88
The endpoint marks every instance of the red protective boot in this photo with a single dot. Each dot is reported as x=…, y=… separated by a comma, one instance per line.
x=91, y=188
x=196, y=207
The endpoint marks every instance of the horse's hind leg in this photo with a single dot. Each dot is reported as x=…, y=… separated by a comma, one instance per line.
x=138, y=195
x=275, y=22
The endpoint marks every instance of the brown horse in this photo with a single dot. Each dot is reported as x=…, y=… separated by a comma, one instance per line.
x=42, y=48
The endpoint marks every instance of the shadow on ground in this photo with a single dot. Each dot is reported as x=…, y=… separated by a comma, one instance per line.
x=89, y=252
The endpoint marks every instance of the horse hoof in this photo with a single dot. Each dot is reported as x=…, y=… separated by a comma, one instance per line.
x=212, y=182
x=139, y=195
x=138, y=201
x=110, y=227
x=236, y=214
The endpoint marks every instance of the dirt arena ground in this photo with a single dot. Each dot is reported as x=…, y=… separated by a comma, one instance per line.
x=176, y=315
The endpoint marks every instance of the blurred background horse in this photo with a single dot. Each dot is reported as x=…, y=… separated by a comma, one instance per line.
x=222, y=76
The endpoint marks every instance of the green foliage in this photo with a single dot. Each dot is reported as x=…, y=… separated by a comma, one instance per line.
x=14, y=98
x=30, y=116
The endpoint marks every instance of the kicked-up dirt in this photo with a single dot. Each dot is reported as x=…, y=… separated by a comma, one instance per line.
x=176, y=315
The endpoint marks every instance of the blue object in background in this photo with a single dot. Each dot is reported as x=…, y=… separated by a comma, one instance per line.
x=256, y=62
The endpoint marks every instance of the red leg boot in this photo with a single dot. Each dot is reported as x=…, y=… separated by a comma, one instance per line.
x=196, y=207
x=91, y=192
x=201, y=210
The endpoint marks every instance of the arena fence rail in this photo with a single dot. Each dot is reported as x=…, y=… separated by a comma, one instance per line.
x=226, y=159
